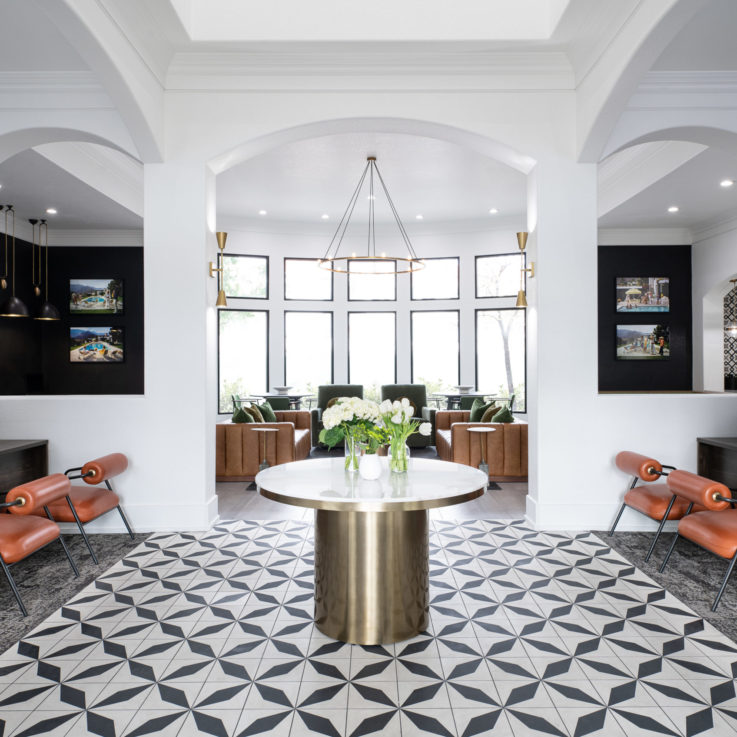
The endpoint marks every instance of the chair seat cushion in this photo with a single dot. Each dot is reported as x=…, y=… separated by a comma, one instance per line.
x=21, y=536
x=90, y=503
x=652, y=500
x=715, y=531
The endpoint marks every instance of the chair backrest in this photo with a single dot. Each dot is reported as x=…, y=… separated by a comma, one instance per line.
x=326, y=392
x=646, y=468
x=416, y=393
x=280, y=403
x=698, y=489
x=104, y=468
x=38, y=493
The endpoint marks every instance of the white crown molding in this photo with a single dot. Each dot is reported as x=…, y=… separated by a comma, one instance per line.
x=644, y=237
x=703, y=231
x=368, y=66
x=671, y=90
x=48, y=89
x=509, y=223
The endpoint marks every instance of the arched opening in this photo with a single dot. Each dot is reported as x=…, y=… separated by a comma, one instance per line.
x=461, y=197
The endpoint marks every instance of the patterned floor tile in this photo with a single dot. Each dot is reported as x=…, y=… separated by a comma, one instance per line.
x=530, y=634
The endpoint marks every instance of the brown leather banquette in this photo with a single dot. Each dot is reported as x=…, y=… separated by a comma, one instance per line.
x=505, y=448
x=237, y=446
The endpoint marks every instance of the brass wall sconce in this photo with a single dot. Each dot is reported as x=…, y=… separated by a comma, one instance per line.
x=48, y=311
x=221, y=301
x=731, y=329
x=13, y=307
x=521, y=296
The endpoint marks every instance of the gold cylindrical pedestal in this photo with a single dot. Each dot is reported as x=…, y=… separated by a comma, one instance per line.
x=371, y=575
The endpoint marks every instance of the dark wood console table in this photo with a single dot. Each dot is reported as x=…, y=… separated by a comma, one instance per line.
x=21, y=461
x=718, y=460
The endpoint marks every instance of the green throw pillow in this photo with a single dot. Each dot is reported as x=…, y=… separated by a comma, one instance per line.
x=478, y=408
x=503, y=415
x=240, y=416
x=267, y=411
x=490, y=413
x=254, y=412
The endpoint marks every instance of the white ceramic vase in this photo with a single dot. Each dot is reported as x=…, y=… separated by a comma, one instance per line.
x=369, y=467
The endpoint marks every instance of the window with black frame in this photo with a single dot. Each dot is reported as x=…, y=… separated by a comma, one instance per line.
x=246, y=277
x=305, y=280
x=501, y=354
x=435, y=349
x=438, y=280
x=243, y=354
x=308, y=350
x=368, y=280
x=497, y=275
x=372, y=351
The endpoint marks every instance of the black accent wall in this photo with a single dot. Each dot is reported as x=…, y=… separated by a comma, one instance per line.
x=34, y=355
x=673, y=374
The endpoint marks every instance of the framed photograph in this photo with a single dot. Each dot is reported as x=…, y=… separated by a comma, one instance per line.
x=643, y=294
x=643, y=342
x=96, y=345
x=96, y=296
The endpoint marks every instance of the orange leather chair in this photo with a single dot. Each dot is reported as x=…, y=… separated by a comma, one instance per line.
x=22, y=532
x=714, y=528
x=86, y=503
x=655, y=501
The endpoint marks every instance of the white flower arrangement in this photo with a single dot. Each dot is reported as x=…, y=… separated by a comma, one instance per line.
x=397, y=419
x=350, y=410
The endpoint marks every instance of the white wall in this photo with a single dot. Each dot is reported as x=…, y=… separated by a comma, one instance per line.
x=289, y=241
x=713, y=263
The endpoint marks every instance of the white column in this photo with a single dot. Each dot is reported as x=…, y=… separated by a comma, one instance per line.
x=180, y=341
x=562, y=338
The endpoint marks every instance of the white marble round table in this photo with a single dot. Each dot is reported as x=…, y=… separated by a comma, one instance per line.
x=371, y=540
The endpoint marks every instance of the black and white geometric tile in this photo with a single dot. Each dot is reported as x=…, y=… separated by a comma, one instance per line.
x=531, y=634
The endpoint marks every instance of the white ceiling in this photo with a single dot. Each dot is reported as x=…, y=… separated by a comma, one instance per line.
x=693, y=188
x=29, y=41
x=304, y=180
x=707, y=43
x=31, y=183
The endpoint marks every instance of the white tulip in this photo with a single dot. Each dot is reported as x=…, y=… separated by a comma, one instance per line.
x=405, y=402
x=385, y=406
x=398, y=418
x=396, y=405
x=425, y=429
x=408, y=413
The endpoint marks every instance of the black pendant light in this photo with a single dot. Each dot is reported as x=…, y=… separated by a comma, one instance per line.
x=13, y=307
x=48, y=311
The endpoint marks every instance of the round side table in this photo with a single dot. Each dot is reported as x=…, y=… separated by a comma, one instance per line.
x=263, y=463
x=481, y=431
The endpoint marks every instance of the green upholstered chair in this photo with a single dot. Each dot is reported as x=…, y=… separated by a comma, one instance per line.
x=417, y=394
x=325, y=393
x=280, y=403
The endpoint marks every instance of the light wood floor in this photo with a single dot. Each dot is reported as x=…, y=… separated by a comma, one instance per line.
x=235, y=501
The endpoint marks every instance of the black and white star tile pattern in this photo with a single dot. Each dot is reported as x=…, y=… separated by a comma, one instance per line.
x=531, y=634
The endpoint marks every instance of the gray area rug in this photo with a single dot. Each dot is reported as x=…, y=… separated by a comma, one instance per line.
x=692, y=574
x=46, y=580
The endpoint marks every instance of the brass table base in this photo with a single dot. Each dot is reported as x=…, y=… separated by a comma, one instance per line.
x=371, y=575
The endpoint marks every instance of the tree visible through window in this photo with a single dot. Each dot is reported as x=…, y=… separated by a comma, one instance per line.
x=246, y=277
x=501, y=354
x=497, y=276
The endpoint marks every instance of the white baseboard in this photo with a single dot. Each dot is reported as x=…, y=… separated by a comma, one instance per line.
x=585, y=517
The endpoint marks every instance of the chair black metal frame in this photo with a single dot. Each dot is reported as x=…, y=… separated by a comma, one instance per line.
x=635, y=479
x=6, y=566
x=732, y=560
x=79, y=522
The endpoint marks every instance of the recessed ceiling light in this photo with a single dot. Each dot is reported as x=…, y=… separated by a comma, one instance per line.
x=726, y=183
x=51, y=211
x=493, y=211
x=262, y=212
x=673, y=208
x=325, y=216
x=418, y=217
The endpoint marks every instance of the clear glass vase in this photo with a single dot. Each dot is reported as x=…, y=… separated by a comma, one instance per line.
x=352, y=453
x=398, y=455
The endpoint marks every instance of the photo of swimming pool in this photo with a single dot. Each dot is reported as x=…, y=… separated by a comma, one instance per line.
x=96, y=345
x=96, y=296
